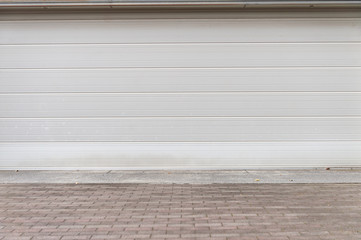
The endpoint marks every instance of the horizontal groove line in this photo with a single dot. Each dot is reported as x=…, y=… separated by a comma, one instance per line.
x=181, y=43
x=182, y=117
x=190, y=68
x=171, y=93
x=285, y=141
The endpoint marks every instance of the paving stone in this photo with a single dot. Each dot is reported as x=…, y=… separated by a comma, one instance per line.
x=180, y=211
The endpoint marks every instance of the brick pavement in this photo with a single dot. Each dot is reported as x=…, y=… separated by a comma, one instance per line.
x=186, y=211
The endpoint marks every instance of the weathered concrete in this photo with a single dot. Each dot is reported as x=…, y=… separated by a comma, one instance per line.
x=179, y=177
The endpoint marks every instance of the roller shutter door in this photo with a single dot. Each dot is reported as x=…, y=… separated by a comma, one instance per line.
x=187, y=92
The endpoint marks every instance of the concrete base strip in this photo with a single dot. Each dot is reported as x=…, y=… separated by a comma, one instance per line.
x=184, y=177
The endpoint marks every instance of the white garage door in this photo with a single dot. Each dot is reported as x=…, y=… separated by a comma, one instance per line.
x=188, y=92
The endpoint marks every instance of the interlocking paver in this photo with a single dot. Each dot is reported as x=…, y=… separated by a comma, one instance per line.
x=180, y=211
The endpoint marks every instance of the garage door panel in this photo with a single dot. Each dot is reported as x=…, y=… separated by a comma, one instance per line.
x=181, y=30
x=180, y=80
x=197, y=104
x=72, y=155
x=180, y=55
x=181, y=129
x=265, y=90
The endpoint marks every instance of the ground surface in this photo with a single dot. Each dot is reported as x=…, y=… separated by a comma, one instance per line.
x=180, y=211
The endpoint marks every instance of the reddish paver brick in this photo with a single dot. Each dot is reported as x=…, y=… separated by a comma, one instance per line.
x=180, y=211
